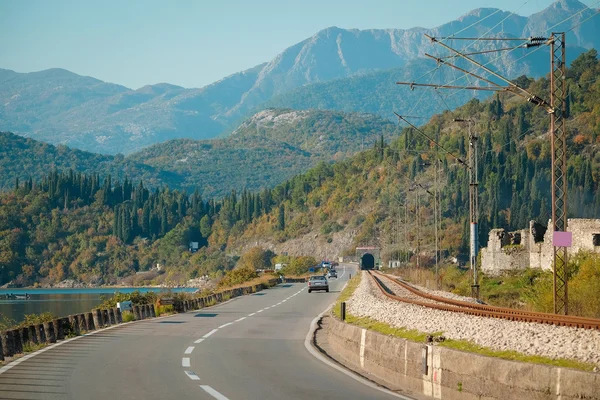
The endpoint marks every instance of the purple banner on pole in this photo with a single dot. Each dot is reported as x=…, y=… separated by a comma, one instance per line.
x=562, y=239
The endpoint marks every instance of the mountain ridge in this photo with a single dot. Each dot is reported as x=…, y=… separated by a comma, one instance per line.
x=91, y=114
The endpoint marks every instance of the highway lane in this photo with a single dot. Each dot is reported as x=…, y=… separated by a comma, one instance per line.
x=251, y=347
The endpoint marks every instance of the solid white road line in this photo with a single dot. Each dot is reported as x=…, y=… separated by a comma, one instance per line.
x=199, y=340
x=185, y=362
x=213, y=392
x=317, y=354
x=224, y=325
x=192, y=376
x=189, y=350
x=210, y=333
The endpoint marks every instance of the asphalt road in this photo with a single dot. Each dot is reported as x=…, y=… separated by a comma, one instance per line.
x=251, y=347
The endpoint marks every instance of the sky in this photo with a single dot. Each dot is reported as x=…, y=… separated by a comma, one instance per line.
x=192, y=43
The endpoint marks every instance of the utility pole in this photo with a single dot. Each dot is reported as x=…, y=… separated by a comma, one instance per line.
x=561, y=239
x=435, y=221
x=473, y=208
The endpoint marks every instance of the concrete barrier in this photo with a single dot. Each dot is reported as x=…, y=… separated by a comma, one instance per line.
x=136, y=312
x=17, y=341
x=118, y=315
x=105, y=318
x=40, y=333
x=74, y=324
x=33, y=336
x=97, y=318
x=8, y=346
x=89, y=321
x=49, y=332
x=445, y=373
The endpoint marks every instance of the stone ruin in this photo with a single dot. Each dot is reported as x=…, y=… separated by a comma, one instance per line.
x=532, y=248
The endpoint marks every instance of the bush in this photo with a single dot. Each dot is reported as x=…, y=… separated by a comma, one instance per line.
x=128, y=316
x=299, y=265
x=164, y=310
x=135, y=297
x=237, y=276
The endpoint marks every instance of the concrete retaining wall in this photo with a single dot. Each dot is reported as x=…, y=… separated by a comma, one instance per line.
x=12, y=342
x=444, y=373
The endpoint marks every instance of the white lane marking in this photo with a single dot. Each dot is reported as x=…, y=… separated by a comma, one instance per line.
x=213, y=392
x=210, y=333
x=224, y=325
x=252, y=314
x=199, y=340
x=240, y=319
x=192, y=375
x=189, y=350
x=261, y=310
x=185, y=362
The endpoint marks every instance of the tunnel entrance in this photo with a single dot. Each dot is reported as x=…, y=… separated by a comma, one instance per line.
x=367, y=261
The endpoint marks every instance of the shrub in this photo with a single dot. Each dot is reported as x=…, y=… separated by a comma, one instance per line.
x=128, y=316
x=237, y=276
x=299, y=265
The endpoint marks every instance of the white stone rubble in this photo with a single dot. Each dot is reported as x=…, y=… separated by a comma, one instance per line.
x=524, y=337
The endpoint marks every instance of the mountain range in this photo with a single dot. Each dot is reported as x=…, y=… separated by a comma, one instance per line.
x=334, y=69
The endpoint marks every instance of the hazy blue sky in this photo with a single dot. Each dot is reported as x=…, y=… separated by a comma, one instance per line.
x=193, y=43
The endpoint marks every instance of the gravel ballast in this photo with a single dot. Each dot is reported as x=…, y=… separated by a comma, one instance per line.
x=523, y=337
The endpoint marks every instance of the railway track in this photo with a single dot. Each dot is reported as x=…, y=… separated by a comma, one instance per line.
x=482, y=310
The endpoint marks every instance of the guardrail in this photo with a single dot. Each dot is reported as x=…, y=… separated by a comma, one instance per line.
x=13, y=341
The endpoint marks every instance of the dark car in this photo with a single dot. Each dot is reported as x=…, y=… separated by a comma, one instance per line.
x=318, y=282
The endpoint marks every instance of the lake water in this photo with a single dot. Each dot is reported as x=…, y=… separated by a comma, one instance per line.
x=60, y=302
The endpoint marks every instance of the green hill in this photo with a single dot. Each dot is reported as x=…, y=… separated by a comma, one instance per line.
x=76, y=226
x=265, y=150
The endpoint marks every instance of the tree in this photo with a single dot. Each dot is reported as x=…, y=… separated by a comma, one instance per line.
x=205, y=227
x=281, y=218
x=256, y=258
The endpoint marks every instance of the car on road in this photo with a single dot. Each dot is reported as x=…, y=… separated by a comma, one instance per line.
x=332, y=273
x=318, y=282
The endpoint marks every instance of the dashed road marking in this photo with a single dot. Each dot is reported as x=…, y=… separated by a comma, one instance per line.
x=185, y=362
x=240, y=319
x=213, y=392
x=189, y=350
x=224, y=325
x=261, y=310
x=192, y=376
x=199, y=340
x=210, y=333
x=252, y=314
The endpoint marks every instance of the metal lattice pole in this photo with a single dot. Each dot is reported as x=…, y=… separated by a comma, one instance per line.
x=559, y=169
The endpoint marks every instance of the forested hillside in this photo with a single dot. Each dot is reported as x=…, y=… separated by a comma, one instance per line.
x=67, y=225
x=265, y=150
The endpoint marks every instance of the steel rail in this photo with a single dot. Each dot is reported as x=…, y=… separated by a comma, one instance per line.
x=483, y=310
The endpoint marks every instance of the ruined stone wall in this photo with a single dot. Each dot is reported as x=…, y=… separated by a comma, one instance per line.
x=502, y=254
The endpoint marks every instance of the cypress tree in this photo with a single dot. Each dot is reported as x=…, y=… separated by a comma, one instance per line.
x=281, y=218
